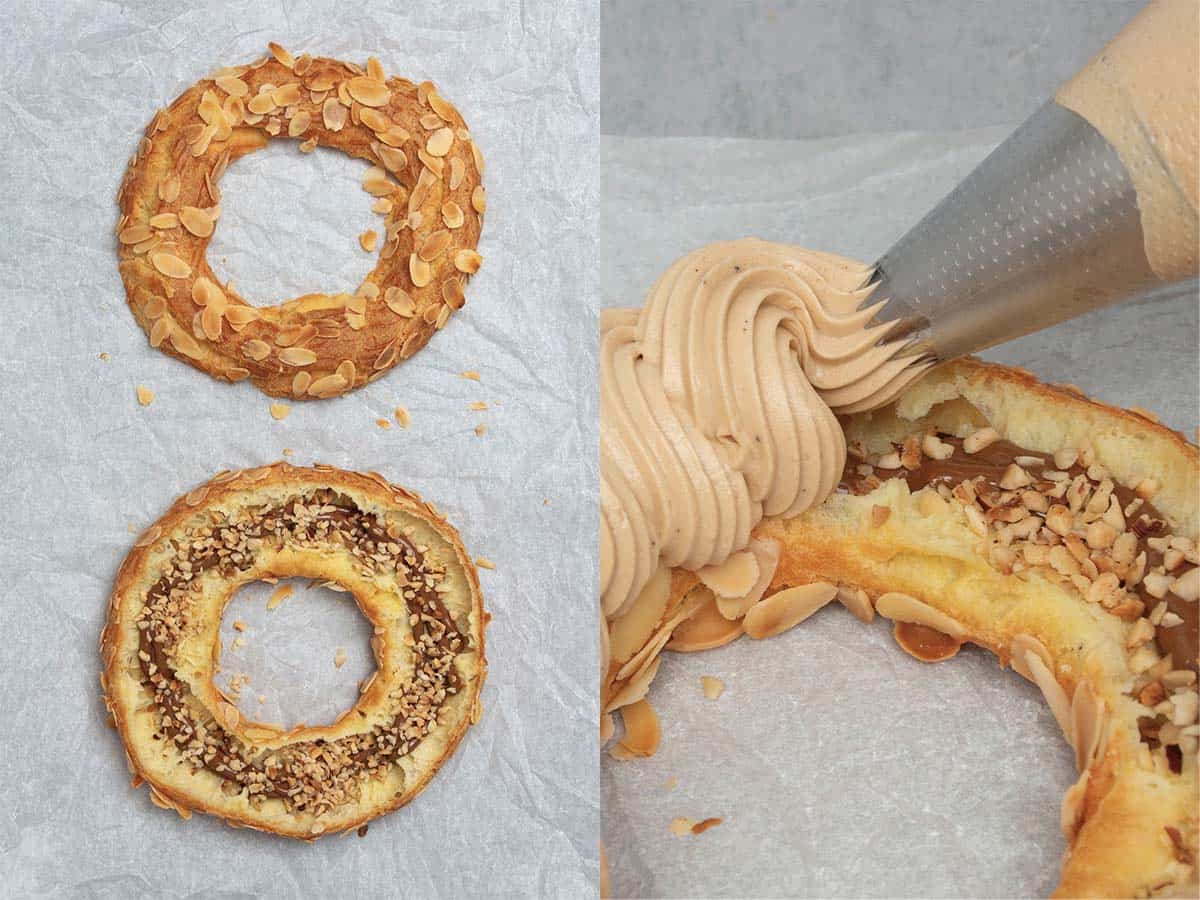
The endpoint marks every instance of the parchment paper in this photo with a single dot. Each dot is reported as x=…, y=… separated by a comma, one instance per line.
x=840, y=765
x=515, y=811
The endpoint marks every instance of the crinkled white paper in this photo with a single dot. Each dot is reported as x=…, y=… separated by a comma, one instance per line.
x=515, y=811
x=840, y=765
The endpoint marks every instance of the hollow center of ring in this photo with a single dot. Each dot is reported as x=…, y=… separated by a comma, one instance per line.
x=293, y=654
x=290, y=224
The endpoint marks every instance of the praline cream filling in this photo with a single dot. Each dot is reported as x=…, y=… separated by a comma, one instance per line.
x=718, y=401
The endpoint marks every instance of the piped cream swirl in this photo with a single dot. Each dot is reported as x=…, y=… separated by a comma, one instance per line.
x=717, y=402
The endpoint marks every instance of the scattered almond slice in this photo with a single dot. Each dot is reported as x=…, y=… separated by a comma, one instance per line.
x=145, y=396
x=280, y=594
x=368, y=239
x=480, y=430
x=383, y=423
x=484, y=563
x=478, y=405
x=280, y=411
x=712, y=687
x=642, y=731
x=104, y=357
x=402, y=417
x=239, y=625
x=470, y=376
x=339, y=658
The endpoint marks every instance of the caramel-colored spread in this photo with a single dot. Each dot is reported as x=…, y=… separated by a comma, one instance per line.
x=1181, y=641
x=301, y=774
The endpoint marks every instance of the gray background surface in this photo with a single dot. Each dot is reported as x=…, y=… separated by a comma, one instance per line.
x=515, y=812
x=843, y=767
x=818, y=68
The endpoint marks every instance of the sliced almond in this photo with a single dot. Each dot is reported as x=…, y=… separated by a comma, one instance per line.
x=419, y=270
x=467, y=261
x=297, y=356
x=198, y=221
x=786, y=609
x=170, y=265
x=440, y=142
x=434, y=245
x=906, y=608
x=642, y=730
x=733, y=578
x=368, y=91
x=333, y=114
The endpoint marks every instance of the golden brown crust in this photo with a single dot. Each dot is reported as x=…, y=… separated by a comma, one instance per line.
x=317, y=345
x=1131, y=822
x=183, y=787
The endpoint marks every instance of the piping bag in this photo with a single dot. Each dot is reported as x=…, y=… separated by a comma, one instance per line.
x=1091, y=201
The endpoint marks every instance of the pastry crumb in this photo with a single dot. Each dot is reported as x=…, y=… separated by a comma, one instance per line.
x=288, y=451
x=239, y=643
x=470, y=376
x=280, y=594
x=262, y=698
x=131, y=528
x=239, y=625
x=480, y=430
x=484, y=563
x=145, y=396
x=104, y=357
x=384, y=424
x=681, y=826
x=339, y=658
x=280, y=411
x=402, y=418
x=672, y=783
x=712, y=687
x=703, y=826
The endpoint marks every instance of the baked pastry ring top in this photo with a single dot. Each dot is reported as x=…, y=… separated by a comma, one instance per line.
x=410, y=575
x=426, y=172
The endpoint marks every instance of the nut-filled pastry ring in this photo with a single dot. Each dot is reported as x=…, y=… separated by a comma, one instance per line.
x=983, y=506
x=410, y=576
x=426, y=173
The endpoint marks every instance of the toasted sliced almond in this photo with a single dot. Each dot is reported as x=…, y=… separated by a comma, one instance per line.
x=733, y=578
x=467, y=261
x=333, y=114
x=440, y=142
x=786, y=609
x=164, y=220
x=170, y=265
x=368, y=239
x=906, y=608
x=198, y=221
x=280, y=411
x=297, y=356
x=145, y=396
x=419, y=270
x=256, y=350
x=281, y=55
x=368, y=91
x=434, y=245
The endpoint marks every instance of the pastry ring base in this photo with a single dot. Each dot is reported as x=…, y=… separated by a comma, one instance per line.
x=426, y=173
x=409, y=574
x=945, y=578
